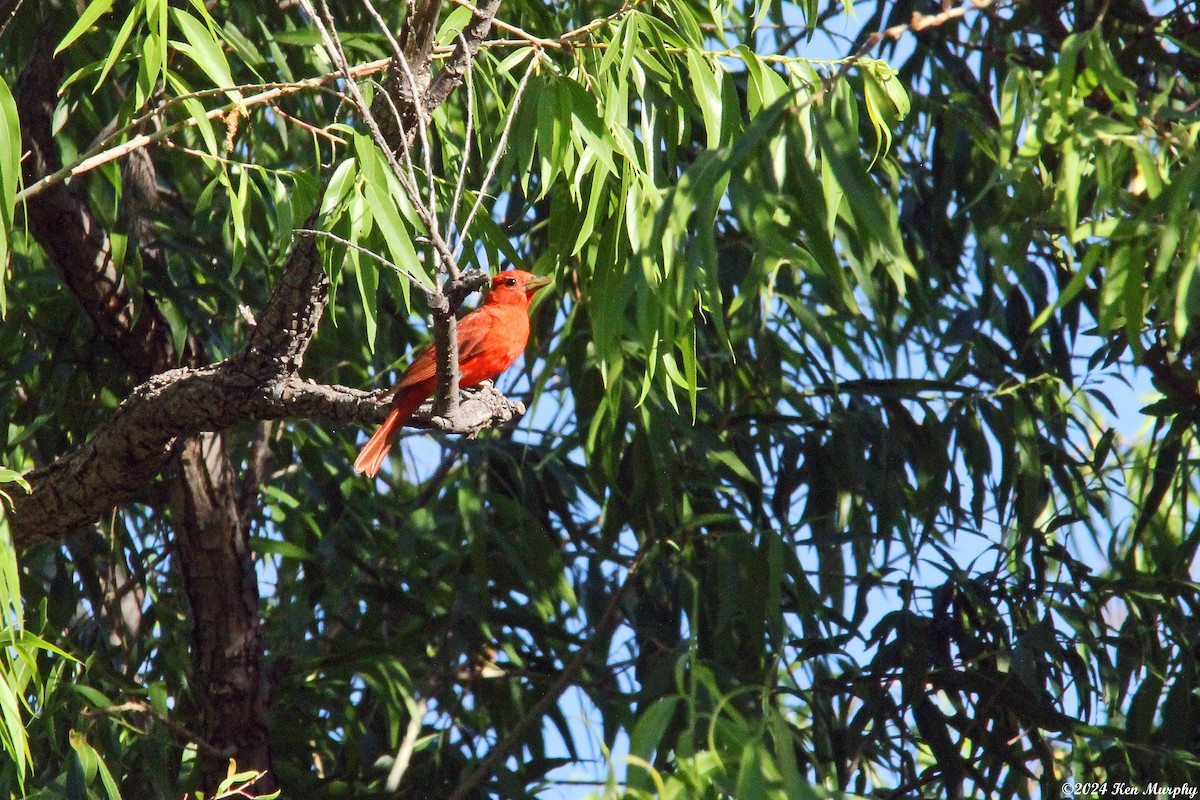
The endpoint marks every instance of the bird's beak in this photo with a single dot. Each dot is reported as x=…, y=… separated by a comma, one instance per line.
x=537, y=283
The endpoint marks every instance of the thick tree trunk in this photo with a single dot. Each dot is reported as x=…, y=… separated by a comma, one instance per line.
x=218, y=576
x=215, y=560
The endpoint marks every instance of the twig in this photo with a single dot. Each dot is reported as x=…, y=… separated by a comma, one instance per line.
x=182, y=733
x=919, y=22
x=399, y=57
x=445, y=324
x=537, y=41
x=11, y=16
x=313, y=129
x=608, y=621
x=102, y=154
x=334, y=49
x=359, y=249
x=404, y=754
x=410, y=188
x=585, y=30
x=495, y=160
x=418, y=102
x=468, y=137
x=451, y=73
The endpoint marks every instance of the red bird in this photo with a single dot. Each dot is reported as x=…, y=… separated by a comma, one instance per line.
x=489, y=340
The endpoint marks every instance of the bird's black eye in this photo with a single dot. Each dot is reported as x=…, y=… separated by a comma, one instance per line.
x=511, y=282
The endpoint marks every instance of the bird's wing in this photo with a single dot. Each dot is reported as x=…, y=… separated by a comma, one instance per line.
x=423, y=368
x=474, y=331
x=472, y=334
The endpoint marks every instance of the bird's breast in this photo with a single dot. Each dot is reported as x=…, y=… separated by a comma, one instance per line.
x=502, y=345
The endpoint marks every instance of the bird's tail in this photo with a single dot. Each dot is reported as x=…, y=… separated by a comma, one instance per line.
x=371, y=457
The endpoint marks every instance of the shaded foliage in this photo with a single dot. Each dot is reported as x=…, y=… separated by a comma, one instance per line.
x=824, y=414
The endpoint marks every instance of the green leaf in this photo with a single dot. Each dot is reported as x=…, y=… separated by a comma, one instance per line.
x=197, y=112
x=12, y=476
x=812, y=215
x=729, y=459
x=157, y=40
x=647, y=736
x=279, y=547
x=765, y=86
x=587, y=125
x=383, y=208
x=455, y=21
x=12, y=728
x=708, y=94
x=368, y=290
x=118, y=46
x=1067, y=185
x=1074, y=286
x=876, y=222
x=203, y=48
x=91, y=764
x=10, y=177
x=340, y=184
x=886, y=102
x=93, y=12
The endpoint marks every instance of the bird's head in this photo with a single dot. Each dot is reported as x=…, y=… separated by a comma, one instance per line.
x=515, y=285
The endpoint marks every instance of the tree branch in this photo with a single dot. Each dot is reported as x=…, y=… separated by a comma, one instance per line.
x=258, y=384
x=285, y=327
x=452, y=72
x=132, y=448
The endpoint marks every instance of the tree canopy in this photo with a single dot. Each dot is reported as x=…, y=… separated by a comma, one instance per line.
x=822, y=473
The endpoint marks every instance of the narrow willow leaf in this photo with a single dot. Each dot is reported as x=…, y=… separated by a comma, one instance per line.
x=10, y=176
x=647, y=736
x=203, y=48
x=93, y=12
x=1117, y=85
x=708, y=94
x=340, y=183
x=367, y=278
x=597, y=204
x=1091, y=259
x=887, y=104
x=1148, y=169
x=357, y=219
x=814, y=219
x=1067, y=185
x=237, y=206
x=701, y=180
x=765, y=86
x=875, y=220
x=13, y=738
x=550, y=133
x=384, y=211
x=874, y=98
x=150, y=68
x=688, y=352
x=1187, y=290
x=118, y=46
x=587, y=125
x=157, y=27
x=197, y=111
x=688, y=25
x=454, y=22
x=246, y=50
